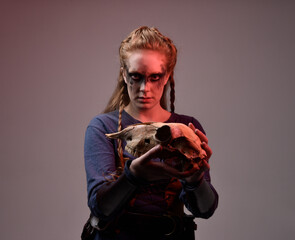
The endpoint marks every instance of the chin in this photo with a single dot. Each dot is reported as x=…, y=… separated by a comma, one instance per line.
x=144, y=106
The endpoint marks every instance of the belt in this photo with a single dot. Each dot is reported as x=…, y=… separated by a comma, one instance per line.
x=168, y=226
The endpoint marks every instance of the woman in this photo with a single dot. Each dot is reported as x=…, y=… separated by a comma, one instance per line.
x=143, y=198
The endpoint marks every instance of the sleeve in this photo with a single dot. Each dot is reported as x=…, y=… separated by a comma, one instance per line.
x=201, y=199
x=105, y=198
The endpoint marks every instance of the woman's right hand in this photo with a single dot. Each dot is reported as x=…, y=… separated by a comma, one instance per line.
x=144, y=167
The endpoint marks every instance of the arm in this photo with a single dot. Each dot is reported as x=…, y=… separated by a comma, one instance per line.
x=199, y=195
x=105, y=198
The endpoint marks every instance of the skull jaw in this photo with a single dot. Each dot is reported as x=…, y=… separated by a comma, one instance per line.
x=179, y=161
x=182, y=164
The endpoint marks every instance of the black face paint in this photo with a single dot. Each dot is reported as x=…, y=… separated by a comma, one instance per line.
x=137, y=78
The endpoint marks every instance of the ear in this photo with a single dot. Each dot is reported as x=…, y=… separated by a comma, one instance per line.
x=123, y=74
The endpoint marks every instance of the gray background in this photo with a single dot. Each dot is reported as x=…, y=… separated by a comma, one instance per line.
x=235, y=73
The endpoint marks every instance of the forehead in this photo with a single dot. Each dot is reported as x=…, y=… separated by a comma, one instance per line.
x=146, y=61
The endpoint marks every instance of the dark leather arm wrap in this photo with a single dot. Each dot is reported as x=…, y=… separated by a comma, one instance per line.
x=202, y=197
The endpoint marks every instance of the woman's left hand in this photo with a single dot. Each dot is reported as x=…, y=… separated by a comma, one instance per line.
x=203, y=165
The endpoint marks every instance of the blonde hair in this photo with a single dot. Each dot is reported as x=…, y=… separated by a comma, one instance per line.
x=142, y=38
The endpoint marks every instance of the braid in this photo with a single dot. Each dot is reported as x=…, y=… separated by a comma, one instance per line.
x=119, y=141
x=172, y=93
x=121, y=161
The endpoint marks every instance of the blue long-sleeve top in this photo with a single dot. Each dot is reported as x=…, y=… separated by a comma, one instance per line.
x=159, y=197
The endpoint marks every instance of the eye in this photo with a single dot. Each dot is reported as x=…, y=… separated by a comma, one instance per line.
x=135, y=76
x=156, y=77
x=147, y=140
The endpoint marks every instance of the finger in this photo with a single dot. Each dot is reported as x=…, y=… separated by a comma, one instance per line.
x=192, y=126
x=152, y=153
x=207, y=149
x=166, y=170
x=205, y=166
x=178, y=174
x=201, y=135
x=189, y=172
x=162, y=169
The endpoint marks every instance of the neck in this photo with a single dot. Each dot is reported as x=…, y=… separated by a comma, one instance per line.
x=149, y=115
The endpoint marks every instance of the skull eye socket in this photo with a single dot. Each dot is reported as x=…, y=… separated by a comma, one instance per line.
x=129, y=138
x=147, y=140
x=163, y=133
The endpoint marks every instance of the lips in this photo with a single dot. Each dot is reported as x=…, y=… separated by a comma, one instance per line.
x=144, y=99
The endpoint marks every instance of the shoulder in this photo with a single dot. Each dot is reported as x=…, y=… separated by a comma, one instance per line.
x=104, y=117
x=106, y=121
x=185, y=119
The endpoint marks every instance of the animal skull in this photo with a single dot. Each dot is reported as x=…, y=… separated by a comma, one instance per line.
x=176, y=136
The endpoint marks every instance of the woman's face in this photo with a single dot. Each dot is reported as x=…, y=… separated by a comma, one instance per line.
x=145, y=76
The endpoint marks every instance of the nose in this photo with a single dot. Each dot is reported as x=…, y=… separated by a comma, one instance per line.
x=144, y=86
